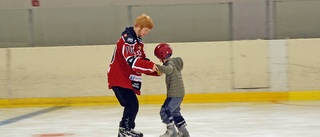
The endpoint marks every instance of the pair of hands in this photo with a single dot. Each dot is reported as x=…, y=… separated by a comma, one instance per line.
x=154, y=68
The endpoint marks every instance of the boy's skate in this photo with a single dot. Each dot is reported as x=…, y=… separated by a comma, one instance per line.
x=183, y=132
x=171, y=131
x=129, y=133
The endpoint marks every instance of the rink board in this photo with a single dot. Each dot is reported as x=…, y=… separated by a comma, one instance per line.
x=158, y=99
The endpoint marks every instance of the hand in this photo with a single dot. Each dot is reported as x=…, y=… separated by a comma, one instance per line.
x=159, y=73
x=154, y=68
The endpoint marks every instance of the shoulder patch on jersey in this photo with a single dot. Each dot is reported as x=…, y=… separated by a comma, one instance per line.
x=129, y=39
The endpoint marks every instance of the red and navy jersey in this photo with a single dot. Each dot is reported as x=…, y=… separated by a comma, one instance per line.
x=128, y=62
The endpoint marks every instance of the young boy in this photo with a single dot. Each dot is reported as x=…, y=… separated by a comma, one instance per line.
x=170, y=110
x=124, y=74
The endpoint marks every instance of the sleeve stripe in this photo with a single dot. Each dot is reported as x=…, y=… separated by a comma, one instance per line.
x=144, y=69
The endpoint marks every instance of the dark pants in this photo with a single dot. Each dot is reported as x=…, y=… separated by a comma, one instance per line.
x=128, y=99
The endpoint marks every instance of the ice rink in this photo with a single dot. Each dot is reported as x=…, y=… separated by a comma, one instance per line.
x=238, y=119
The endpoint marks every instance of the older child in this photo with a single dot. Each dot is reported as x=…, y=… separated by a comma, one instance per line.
x=124, y=74
x=170, y=110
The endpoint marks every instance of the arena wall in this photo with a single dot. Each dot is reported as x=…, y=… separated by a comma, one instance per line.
x=100, y=22
x=247, y=70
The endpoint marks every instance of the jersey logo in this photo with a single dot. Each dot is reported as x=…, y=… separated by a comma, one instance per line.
x=135, y=78
x=130, y=40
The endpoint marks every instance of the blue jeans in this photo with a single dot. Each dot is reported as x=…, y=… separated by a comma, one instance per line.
x=170, y=111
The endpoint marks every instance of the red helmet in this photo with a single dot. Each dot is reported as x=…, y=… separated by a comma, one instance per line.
x=163, y=51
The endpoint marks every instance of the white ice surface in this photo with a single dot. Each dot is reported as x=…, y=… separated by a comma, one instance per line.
x=239, y=119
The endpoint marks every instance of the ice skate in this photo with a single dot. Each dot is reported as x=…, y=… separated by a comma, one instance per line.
x=180, y=134
x=183, y=132
x=171, y=131
x=126, y=133
x=137, y=133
